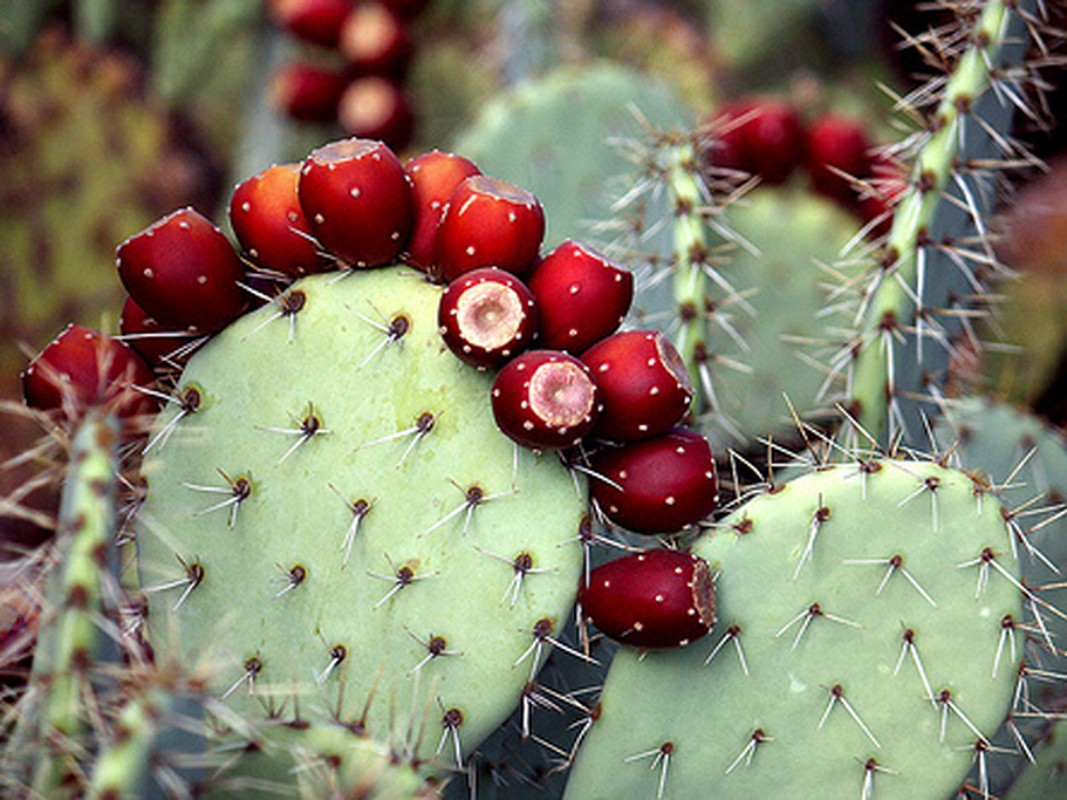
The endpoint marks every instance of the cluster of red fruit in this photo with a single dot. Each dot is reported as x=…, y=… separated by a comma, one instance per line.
x=364, y=93
x=768, y=138
x=621, y=395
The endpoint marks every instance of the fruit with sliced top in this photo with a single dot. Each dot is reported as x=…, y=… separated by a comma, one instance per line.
x=434, y=177
x=837, y=148
x=583, y=295
x=307, y=92
x=644, y=384
x=83, y=368
x=654, y=599
x=545, y=400
x=488, y=223
x=376, y=41
x=150, y=340
x=315, y=21
x=357, y=200
x=406, y=9
x=760, y=136
x=375, y=107
x=269, y=222
x=487, y=316
x=183, y=272
x=885, y=186
x=657, y=485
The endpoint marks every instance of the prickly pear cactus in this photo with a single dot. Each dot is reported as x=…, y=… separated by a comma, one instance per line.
x=1025, y=462
x=340, y=517
x=866, y=645
x=533, y=137
x=81, y=598
x=1046, y=776
x=750, y=351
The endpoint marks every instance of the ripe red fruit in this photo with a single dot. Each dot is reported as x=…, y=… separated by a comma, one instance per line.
x=644, y=384
x=657, y=485
x=434, y=176
x=269, y=222
x=183, y=272
x=837, y=146
x=487, y=316
x=357, y=201
x=407, y=9
x=83, y=368
x=545, y=400
x=376, y=41
x=377, y=108
x=306, y=92
x=759, y=136
x=888, y=181
x=315, y=21
x=583, y=296
x=655, y=599
x=488, y=223
x=149, y=339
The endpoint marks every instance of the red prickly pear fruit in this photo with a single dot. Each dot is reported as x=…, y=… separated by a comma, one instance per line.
x=644, y=384
x=357, y=200
x=657, y=485
x=315, y=21
x=183, y=272
x=760, y=136
x=406, y=9
x=434, y=177
x=488, y=223
x=655, y=599
x=377, y=108
x=148, y=338
x=267, y=218
x=83, y=368
x=375, y=41
x=583, y=296
x=307, y=93
x=837, y=147
x=888, y=181
x=774, y=140
x=487, y=316
x=545, y=400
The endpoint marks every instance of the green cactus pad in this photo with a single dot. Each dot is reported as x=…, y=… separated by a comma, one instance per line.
x=833, y=702
x=327, y=760
x=1025, y=462
x=291, y=606
x=1046, y=777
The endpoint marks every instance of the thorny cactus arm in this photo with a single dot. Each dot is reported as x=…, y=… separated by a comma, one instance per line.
x=698, y=228
x=932, y=277
x=121, y=766
x=81, y=601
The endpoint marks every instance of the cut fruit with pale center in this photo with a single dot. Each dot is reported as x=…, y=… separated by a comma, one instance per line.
x=489, y=315
x=561, y=394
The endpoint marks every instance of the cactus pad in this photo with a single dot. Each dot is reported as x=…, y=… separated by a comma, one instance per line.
x=834, y=670
x=339, y=517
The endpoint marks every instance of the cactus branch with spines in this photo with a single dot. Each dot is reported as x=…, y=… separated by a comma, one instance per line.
x=937, y=260
x=699, y=231
x=83, y=593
